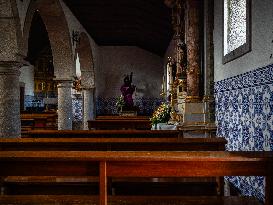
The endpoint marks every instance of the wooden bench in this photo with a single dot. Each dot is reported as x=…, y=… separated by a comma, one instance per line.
x=40, y=120
x=125, y=200
x=140, y=164
x=117, y=117
x=102, y=134
x=113, y=144
x=117, y=124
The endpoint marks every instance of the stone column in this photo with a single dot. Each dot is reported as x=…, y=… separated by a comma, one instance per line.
x=10, y=123
x=88, y=106
x=64, y=105
x=209, y=61
x=193, y=29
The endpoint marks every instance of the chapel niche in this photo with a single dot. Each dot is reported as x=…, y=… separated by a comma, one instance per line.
x=44, y=85
x=40, y=56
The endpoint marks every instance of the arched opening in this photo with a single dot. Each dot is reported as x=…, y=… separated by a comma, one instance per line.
x=38, y=75
x=87, y=77
x=86, y=62
x=56, y=26
x=55, y=51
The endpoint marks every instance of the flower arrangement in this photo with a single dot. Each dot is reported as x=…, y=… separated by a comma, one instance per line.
x=161, y=114
x=120, y=103
x=77, y=84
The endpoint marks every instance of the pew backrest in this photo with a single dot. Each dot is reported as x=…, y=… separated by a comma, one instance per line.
x=114, y=124
x=114, y=144
x=138, y=164
x=102, y=134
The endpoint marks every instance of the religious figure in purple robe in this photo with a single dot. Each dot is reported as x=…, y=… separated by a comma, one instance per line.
x=127, y=90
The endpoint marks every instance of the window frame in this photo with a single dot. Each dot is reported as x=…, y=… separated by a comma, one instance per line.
x=246, y=47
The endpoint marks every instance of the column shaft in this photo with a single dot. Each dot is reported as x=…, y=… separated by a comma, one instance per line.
x=65, y=105
x=193, y=29
x=10, y=123
x=88, y=107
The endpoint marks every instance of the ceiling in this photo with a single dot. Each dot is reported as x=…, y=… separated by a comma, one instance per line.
x=142, y=23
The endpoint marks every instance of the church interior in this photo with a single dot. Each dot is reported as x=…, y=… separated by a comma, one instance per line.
x=166, y=102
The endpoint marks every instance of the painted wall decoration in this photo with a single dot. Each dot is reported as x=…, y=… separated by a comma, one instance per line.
x=77, y=109
x=244, y=115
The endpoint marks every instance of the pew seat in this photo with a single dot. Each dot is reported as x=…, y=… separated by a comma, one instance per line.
x=101, y=134
x=125, y=200
x=57, y=185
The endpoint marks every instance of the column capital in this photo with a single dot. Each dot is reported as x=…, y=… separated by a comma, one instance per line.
x=64, y=83
x=10, y=68
x=88, y=88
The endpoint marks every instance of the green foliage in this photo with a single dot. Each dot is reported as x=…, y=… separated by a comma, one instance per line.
x=161, y=114
x=120, y=103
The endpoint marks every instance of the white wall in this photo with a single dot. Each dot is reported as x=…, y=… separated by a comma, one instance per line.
x=262, y=36
x=27, y=77
x=116, y=61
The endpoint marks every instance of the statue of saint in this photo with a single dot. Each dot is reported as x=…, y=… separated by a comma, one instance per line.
x=127, y=90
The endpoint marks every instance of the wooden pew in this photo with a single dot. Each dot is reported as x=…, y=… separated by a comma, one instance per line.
x=140, y=164
x=117, y=117
x=125, y=200
x=27, y=124
x=113, y=144
x=116, y=124
x=102, y=134
x=40, y=120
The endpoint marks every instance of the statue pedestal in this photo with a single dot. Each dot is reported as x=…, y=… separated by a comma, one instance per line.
x=195, y=121
x=194, y=113
x=128, y=111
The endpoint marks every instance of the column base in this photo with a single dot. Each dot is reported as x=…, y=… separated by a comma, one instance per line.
x=193, y=99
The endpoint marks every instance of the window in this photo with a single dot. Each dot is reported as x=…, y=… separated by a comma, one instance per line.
x=237, y=35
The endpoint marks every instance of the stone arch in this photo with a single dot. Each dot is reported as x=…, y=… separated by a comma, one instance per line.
x=59, y=36
x=86, y=61
x=11, y=35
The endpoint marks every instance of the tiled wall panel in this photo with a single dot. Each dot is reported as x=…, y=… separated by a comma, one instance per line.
x=244, y=115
